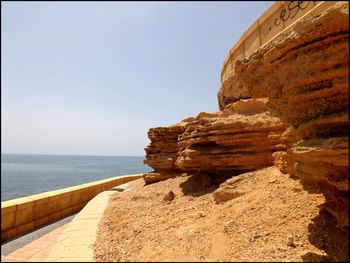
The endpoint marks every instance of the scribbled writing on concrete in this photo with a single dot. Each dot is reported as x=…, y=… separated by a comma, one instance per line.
x=292, y=10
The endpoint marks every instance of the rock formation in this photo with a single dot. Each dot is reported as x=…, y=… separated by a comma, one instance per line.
x=304, y=74
x=162, y=152
x=240, y=138
x=287, y=105
x=231, y=91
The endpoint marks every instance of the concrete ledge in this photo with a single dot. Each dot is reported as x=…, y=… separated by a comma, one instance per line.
x=23, y=215
x=75, y=244
x=277, y=19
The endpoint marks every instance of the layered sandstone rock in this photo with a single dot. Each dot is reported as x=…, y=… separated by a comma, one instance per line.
x=301, y=126
x=162, y=151
x=154, y=177
x=305, y=76
x=231, y=91
x=240, y=138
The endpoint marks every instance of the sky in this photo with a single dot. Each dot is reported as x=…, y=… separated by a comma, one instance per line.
x=90, y=78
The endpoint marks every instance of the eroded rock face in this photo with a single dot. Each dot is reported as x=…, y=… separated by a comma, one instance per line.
x=308, y=67
x=287, y=105
x=232, y=90
x=305, y=76
x=241, y=137
x=243, y=140
x=162, y=152
x=150, y=178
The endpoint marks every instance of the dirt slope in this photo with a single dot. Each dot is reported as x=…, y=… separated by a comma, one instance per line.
x=272, y=218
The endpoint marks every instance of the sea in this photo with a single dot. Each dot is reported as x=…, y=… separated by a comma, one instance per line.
x=28, y=174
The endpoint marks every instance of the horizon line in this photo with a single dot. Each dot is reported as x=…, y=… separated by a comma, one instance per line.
x=72, y=154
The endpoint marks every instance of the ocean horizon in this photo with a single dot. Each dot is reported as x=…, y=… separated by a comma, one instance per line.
x=27, y=174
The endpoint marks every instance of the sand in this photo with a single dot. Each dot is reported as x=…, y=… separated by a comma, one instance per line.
x=274, y=219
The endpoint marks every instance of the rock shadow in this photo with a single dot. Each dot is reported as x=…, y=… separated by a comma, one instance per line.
x=202, y=183
x=325, y=232
x=327, y=236
x=313, y=257
x=198, y=184
x=116, y=189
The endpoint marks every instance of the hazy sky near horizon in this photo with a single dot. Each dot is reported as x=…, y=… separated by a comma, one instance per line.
x=92, y=77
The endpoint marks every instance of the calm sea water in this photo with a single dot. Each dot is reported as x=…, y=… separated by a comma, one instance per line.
x=26, y=174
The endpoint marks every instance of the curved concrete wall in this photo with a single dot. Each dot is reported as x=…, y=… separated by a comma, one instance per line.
x=23, y=215
x=276, y=20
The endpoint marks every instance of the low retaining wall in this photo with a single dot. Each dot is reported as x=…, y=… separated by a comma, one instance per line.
x=75, y=243
x=23, y=215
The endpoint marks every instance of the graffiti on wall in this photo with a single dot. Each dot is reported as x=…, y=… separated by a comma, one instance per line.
x=293, y=8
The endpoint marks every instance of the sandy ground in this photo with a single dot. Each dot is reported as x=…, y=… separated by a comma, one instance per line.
x=272, y=219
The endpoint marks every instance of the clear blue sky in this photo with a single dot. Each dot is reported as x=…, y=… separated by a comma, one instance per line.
x=93, y=77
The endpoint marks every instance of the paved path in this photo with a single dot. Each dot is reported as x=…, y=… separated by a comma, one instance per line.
x=77, y=240
x=70, y=239
x=35, y=246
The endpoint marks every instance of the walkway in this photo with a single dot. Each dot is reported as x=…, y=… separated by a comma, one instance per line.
x=35, y=246
x=70, y=239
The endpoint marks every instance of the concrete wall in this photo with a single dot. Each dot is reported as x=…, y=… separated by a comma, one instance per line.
x=23, y=215
x=277, y=19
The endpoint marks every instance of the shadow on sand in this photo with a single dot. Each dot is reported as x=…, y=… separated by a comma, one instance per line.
x=327, y=236
x=201, y=183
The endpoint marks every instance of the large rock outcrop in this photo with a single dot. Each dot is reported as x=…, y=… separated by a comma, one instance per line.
x=240, y=138
x=304, y=74
x=162, y=152
x=286, y=104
